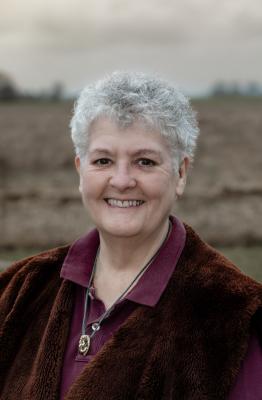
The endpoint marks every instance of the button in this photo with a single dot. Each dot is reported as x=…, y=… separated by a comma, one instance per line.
x=95, y=326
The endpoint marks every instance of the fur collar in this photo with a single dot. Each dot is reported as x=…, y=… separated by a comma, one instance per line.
x=189, y=347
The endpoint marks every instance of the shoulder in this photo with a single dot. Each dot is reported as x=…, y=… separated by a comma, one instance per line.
x=46, y=260
x=213, y=285
x=212, y=268
x=30, y=274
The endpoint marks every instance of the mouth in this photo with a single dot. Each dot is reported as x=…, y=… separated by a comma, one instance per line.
x=123, y=203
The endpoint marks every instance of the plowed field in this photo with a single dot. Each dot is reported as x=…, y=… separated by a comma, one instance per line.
x=39, y=201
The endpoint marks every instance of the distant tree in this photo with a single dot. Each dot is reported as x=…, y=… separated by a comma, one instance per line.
x=235, y=89
x=219, y=89
x=253, y=89
x=57, y=91
x=8, y=89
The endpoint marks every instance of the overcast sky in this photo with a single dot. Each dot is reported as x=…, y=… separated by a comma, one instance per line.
x=191, y=42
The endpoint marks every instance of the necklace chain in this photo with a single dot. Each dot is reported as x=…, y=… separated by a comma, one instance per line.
x=85, y=340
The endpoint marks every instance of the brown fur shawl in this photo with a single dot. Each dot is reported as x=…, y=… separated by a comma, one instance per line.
x=189, y=347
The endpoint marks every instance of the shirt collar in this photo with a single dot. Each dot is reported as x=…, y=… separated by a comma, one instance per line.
x=78, y=264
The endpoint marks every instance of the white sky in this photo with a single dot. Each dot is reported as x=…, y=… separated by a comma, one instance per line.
x=192, y=42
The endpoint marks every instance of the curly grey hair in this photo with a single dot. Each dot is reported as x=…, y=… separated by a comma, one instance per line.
x=128, y=97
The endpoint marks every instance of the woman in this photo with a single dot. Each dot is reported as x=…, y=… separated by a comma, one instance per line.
x=140, y=307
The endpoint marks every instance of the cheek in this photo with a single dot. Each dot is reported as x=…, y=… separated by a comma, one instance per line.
x=91, y=186
x=161, y=189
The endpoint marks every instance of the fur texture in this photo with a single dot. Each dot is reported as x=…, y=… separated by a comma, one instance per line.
x=189, y=347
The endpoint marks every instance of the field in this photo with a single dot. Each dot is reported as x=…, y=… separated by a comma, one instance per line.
x=40, y=205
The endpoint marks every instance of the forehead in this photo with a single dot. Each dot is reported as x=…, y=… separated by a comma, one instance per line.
x=105, y=133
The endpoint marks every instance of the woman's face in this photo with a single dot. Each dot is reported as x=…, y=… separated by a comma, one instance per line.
x=126, y=180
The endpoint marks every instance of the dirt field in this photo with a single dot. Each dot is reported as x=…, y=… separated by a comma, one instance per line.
x=39, y=201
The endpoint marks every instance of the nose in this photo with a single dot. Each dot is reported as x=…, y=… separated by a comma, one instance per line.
x=122, y=178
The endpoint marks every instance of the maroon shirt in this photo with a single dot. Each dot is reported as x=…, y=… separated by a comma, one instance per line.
x=77, y=268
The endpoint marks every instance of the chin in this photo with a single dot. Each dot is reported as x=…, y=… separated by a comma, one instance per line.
x=124, y=231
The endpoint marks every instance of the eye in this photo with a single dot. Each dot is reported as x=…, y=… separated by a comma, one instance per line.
x=102, y=161
x=146, y=162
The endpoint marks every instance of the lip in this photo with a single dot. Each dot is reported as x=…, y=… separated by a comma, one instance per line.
x=123, y=203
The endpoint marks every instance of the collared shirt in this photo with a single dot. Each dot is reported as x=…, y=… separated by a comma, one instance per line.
x=77, y=268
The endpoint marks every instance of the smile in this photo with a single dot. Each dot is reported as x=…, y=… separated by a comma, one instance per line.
x=124, y=203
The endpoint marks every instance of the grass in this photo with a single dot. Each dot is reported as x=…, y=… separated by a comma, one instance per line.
x=7, y=256
x=248, y=259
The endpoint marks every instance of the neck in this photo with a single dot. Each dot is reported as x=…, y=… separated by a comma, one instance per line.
x=118, y=254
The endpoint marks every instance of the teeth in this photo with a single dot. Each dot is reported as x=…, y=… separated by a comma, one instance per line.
x=124, y=203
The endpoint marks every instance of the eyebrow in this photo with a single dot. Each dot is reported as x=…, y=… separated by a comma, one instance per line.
x=147, y=152
x=100, y=150
x=138, y=153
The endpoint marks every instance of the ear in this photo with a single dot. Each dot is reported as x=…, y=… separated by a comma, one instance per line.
x=78, y=168
x=181, y=182
x=77, y=163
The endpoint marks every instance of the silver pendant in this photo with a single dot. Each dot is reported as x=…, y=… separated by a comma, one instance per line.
x=84, y=344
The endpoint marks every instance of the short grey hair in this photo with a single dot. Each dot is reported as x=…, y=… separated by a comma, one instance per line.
x=128, y=97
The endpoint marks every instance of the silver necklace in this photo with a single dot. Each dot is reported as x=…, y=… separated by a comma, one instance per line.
x=85, y=340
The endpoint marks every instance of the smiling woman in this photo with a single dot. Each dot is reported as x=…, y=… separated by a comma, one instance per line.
x=140, y=307
x=127, y=182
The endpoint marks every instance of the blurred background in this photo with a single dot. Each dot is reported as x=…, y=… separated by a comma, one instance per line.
x=50, y=49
